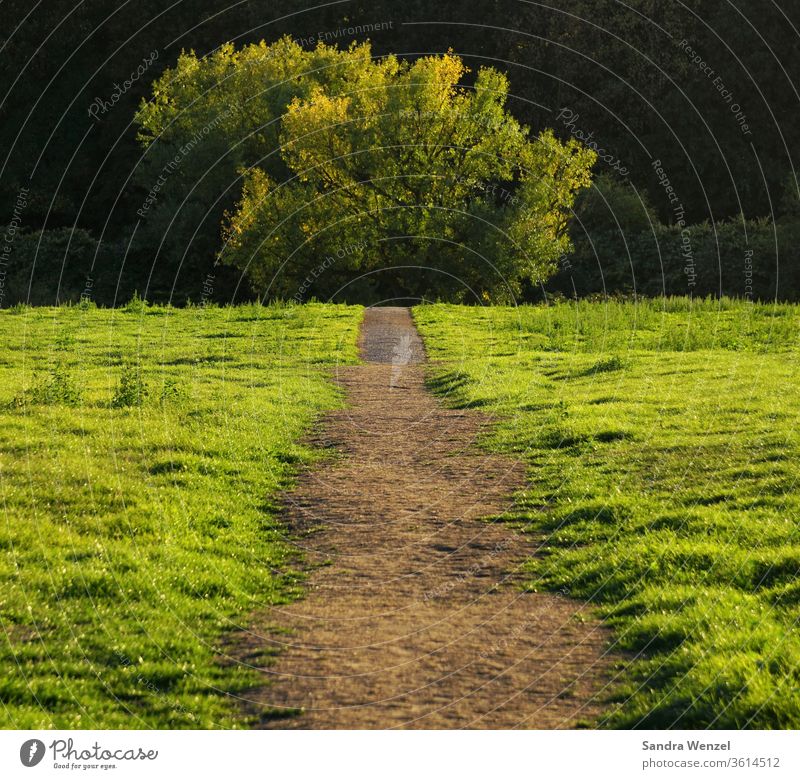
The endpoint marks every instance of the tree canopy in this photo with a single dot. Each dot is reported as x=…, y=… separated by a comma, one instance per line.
x=641, y=79
x=368, y=176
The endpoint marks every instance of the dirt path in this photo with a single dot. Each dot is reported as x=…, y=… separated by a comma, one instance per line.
x=415, y=620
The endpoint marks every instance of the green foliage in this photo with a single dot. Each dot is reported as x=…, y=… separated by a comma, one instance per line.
x=733, y=258
x=383, y=164
x=662, y=486
x=620, y=246
x=132, y=389
x=790, y=198
x=136, y=305
x=219, y=114
x=611, y=203
x=134, y=542
x=52, y=266
x=172, y=390
x=58, y=388
x=561, y=57
x=65, y=266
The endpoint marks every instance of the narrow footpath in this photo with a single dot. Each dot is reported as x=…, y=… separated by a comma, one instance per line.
x=414, y=616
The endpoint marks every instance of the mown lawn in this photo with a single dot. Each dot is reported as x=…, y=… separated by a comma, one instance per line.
x=663, y=448
x=141, y=450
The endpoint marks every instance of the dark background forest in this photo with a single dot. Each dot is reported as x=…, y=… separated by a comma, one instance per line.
x=616, y=70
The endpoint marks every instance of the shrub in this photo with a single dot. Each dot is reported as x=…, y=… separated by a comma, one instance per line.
x=730, y=258
x=611, y=203
x=136, y=305
x=49, y=266
x=58, y=388
x=132, y=389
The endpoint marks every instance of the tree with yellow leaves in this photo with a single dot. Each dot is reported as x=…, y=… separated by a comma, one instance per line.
x=372, y=178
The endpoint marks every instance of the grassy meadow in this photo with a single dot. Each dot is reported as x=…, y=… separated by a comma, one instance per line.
x=663, y=449
x=141, y=449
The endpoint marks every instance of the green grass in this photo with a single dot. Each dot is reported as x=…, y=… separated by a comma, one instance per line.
x=141, y=451
x=663, y=445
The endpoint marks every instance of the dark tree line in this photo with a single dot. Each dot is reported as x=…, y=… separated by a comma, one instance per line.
x=708, y=89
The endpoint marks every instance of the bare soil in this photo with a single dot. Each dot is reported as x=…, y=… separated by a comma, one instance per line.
x=414, y=617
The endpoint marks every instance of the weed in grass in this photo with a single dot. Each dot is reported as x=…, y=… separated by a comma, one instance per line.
x=613, y=363
x=65, y=340
x=136, y=305
x=59, y=388
x=132, y=389
x=172, y=391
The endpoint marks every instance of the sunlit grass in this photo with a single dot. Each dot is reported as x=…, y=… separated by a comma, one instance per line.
x=141, y=451
x=663, y=450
